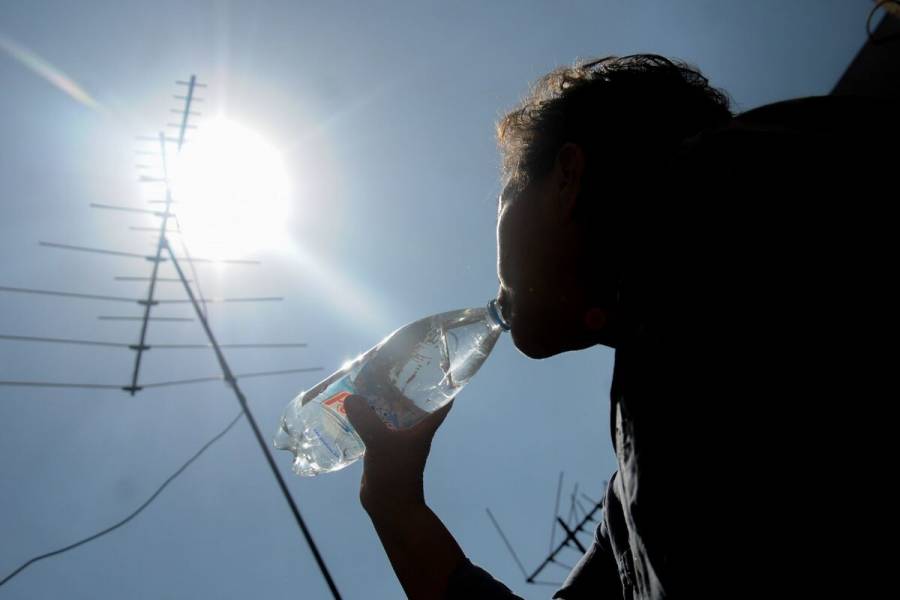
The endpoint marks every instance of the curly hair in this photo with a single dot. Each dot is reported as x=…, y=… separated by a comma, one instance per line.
x=620, y=110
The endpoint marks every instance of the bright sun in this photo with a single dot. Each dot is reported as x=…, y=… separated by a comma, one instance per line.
x=230, y=190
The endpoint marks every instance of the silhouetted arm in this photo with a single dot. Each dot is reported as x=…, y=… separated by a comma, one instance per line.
x=426, y=558
x=422, y=551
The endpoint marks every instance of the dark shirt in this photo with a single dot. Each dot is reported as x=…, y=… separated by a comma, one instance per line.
x=749, y=400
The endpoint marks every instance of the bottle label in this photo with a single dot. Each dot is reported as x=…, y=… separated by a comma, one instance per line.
x=394, y=409
x=336, y=402
x=335, y=394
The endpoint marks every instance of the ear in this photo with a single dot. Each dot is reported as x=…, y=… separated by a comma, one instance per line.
x=569, y=171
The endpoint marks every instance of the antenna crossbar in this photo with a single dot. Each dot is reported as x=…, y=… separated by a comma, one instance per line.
x=124, y=208
x=50, y=384
x=158, y=279
x=28, y=338
x=153, y=138
x=571, y=533
x=226, y=300
x=158, y=384
x=95, y=250
x=127, y=318
x=207, y=346
x=52, y=340
x=149, y=301
x=228, y=261
x=192, y=82
x=19, y=290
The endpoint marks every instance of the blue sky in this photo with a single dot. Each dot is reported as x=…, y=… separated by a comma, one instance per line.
x=384, y=114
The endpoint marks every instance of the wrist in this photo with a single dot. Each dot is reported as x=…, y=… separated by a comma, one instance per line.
x=396, y=495
x=392, y=509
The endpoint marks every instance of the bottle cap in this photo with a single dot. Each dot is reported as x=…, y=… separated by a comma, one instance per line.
x=496, y=315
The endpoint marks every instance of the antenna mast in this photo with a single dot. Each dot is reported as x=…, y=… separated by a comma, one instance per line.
x=150, y=300
x=576, y=524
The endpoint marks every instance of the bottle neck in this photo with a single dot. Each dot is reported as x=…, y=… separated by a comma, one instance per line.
x=495, y=316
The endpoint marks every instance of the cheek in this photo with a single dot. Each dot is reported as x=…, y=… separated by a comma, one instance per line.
x=518, y=242
x=506, y=252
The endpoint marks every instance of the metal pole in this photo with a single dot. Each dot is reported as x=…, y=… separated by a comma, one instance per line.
x=141, y=345
x=229, y=376
x=570, y=536
x=232, y=382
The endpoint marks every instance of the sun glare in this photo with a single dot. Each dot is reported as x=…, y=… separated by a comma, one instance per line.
x=230, y=190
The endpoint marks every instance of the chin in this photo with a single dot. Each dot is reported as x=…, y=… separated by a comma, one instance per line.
x=533, y=348
x=534, y=345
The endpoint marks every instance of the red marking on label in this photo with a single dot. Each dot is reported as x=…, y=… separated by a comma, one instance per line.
x=337, y=402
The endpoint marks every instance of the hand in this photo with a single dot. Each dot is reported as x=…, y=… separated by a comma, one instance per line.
x=392, y=480
x=422, y=551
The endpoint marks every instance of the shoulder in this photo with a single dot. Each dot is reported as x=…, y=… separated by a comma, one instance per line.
x=820, y=115
x=807, y=143
x=812, y=118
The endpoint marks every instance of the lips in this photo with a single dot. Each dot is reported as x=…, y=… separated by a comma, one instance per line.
x=504, y=304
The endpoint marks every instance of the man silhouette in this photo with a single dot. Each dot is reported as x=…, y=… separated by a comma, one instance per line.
x=737, y=264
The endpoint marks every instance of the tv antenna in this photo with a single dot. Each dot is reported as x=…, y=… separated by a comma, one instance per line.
x=582, y=511
x=158, y=175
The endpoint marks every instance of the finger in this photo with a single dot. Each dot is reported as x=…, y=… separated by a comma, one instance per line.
x=364, y=420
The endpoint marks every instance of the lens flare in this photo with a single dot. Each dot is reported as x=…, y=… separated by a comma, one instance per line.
x=231, y=192
x=45, y=70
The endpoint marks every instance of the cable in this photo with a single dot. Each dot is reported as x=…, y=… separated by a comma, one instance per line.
x=158, y=491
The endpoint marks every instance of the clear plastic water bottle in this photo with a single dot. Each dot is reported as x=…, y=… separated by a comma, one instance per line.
x=410, y=373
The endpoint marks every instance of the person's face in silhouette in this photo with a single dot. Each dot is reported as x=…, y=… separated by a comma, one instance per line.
x=544, y=262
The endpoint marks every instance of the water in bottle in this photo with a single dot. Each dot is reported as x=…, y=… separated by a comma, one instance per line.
x=412, y=372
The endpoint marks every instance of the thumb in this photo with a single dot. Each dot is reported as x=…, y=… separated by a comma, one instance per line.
x=364, y=420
